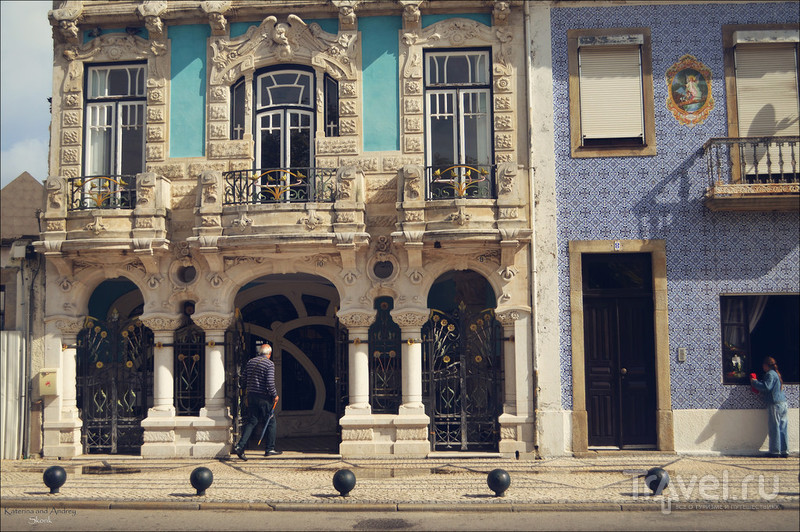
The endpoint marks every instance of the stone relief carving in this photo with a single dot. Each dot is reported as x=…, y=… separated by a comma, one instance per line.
x=66, y=19
x=419, y=433
x=242, y=222
x=216, y=15
x=357, y=434
x=312, y=221
x=56, y=187
x=411, y=14
x=406, y=318
x=212, y=322
x=412, y=180
x=274, y=41
x=159, y=436
x=500, y=13
x=151, y=11
x=97, y=226
x=460, y=218
x=356, y=319
x=507, y=173
x=162, y=323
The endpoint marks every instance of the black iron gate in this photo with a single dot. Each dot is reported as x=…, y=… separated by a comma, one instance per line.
x=462, y=379
x=342, y=370
x=237, y=345
x=115, y=384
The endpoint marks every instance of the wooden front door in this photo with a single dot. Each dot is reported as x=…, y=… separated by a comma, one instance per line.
x=619, y=350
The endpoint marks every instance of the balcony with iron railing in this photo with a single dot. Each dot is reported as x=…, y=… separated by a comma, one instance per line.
x=753, y=174
x=102, y=192
x=280, y=185
x=102, y=211
x=290, y=206
x=460, y=181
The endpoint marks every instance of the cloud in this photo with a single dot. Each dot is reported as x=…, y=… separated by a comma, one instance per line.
x=29, y=155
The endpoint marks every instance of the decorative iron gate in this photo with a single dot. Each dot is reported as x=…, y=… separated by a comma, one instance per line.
x=462, y=379
x=115, y=384
x=189, y=350
x=237, y=342
x=384, y=364
x=342, y=369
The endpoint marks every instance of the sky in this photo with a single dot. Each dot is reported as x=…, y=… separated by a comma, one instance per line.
x=26, y=81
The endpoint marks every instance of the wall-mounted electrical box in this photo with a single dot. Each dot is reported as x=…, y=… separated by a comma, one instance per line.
x=48, y=382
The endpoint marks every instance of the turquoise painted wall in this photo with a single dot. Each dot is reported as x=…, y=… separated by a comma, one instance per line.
x=483, y=18
x=188, y=90
x=331, y=25
x=380, y=52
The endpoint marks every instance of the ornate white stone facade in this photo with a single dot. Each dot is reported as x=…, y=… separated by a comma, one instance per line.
x=181, y=218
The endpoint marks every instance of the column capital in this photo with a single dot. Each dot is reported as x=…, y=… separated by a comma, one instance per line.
x=357, y=318
x=161, y=322
x=210, y=321
x=507, y=316
x=68, y=325
x=410, y=317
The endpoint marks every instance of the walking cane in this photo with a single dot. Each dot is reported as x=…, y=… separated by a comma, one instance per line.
x=268, y=420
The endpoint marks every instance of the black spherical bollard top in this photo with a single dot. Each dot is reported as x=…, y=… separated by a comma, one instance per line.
x=656, y=479
x=498, y=480
x=201, y=478
x=344, y=481
x=54, y=477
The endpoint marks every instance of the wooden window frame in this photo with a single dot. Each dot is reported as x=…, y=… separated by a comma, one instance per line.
x=648, y=107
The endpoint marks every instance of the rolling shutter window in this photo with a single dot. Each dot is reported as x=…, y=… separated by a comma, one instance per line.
x=611, y=93
x=767, y=98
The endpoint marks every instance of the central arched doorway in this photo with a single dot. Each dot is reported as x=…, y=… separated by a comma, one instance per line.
x=296, y=315
x=462, y=364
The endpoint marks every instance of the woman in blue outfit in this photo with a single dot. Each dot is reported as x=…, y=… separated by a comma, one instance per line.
x=777, y=408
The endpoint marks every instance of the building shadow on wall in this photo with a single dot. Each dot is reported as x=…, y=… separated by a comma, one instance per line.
x=704, y=245
x=724, y=428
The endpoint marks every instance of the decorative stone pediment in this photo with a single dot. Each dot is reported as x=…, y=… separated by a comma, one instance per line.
x=279, y=42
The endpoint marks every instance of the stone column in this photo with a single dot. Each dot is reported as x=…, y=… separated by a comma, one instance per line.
x=411, y=434
x=358, y=422
x=62, y=423
x=159, y=425
x=516, y=421
x=213, y=428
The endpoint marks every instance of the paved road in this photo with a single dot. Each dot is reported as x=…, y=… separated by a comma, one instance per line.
x=30, y=519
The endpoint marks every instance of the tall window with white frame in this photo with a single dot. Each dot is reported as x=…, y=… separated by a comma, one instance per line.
x=458, y=124
x=114, y=144
x=284, y=133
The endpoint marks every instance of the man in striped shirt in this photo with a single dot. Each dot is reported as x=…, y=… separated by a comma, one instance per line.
x=262, y=396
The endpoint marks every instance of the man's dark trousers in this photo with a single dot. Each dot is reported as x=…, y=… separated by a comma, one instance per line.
x=259, y=407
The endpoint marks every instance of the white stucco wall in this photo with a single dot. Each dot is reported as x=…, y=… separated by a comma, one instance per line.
x=728, y=431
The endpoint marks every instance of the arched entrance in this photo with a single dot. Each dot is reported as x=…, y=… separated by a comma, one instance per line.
x=296, y=315
x=114, y=370
x=462, y=364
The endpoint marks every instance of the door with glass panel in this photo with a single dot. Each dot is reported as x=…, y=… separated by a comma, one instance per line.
x=115, y=120
x=458, y=124
x=285, y=136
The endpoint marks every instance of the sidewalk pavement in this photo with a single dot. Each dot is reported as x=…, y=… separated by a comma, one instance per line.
x=292, y=481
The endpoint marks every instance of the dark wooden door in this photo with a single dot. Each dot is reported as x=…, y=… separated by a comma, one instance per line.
x=620, y=353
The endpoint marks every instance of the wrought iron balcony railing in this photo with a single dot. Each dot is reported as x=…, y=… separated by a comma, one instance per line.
x=280, y=185
x=102, y=192
x=761, y=162
x=460, y=181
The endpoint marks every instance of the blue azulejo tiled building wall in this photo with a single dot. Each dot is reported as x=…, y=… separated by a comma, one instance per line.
x=660, y=197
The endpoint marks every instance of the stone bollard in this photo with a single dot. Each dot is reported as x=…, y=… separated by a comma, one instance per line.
x=201, y=478
x=54, y=477
x=498, y=480
x=656, y=479
x=344, y=481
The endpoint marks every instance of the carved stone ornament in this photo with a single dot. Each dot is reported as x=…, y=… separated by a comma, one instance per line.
x=66, y=18
x=357, y=319
x=508, y=433
x=460, y=218
x=67, y=324
x=242, y=222
x=216, y=15
x=500, y=13
x=412, y=179
x=357, y=434
x=151, y=11
x=410, y=318
x=159, y=436
x=418, y=433
x=411, y=14
x=212, y=322
x=347, y=15
x=162, y=323
x=272, y=42
x=97, y=226
x=56, y=187
x=510, y=316
x=507, y=173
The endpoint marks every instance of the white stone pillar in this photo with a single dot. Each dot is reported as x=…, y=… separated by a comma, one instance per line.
x=213, y=429
x=159, y=425
x=411, y=425
x=215, y=371
x=516, y=421
x=62, y=423
x=358, y=369
x=358, y=423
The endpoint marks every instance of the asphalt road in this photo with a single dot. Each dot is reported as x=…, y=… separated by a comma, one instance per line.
x=44, y=519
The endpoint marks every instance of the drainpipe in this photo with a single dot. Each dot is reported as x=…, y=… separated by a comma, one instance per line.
x=531, y=179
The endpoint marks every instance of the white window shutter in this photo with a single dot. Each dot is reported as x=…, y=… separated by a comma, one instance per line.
x=767, y=100
x=611, y=92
